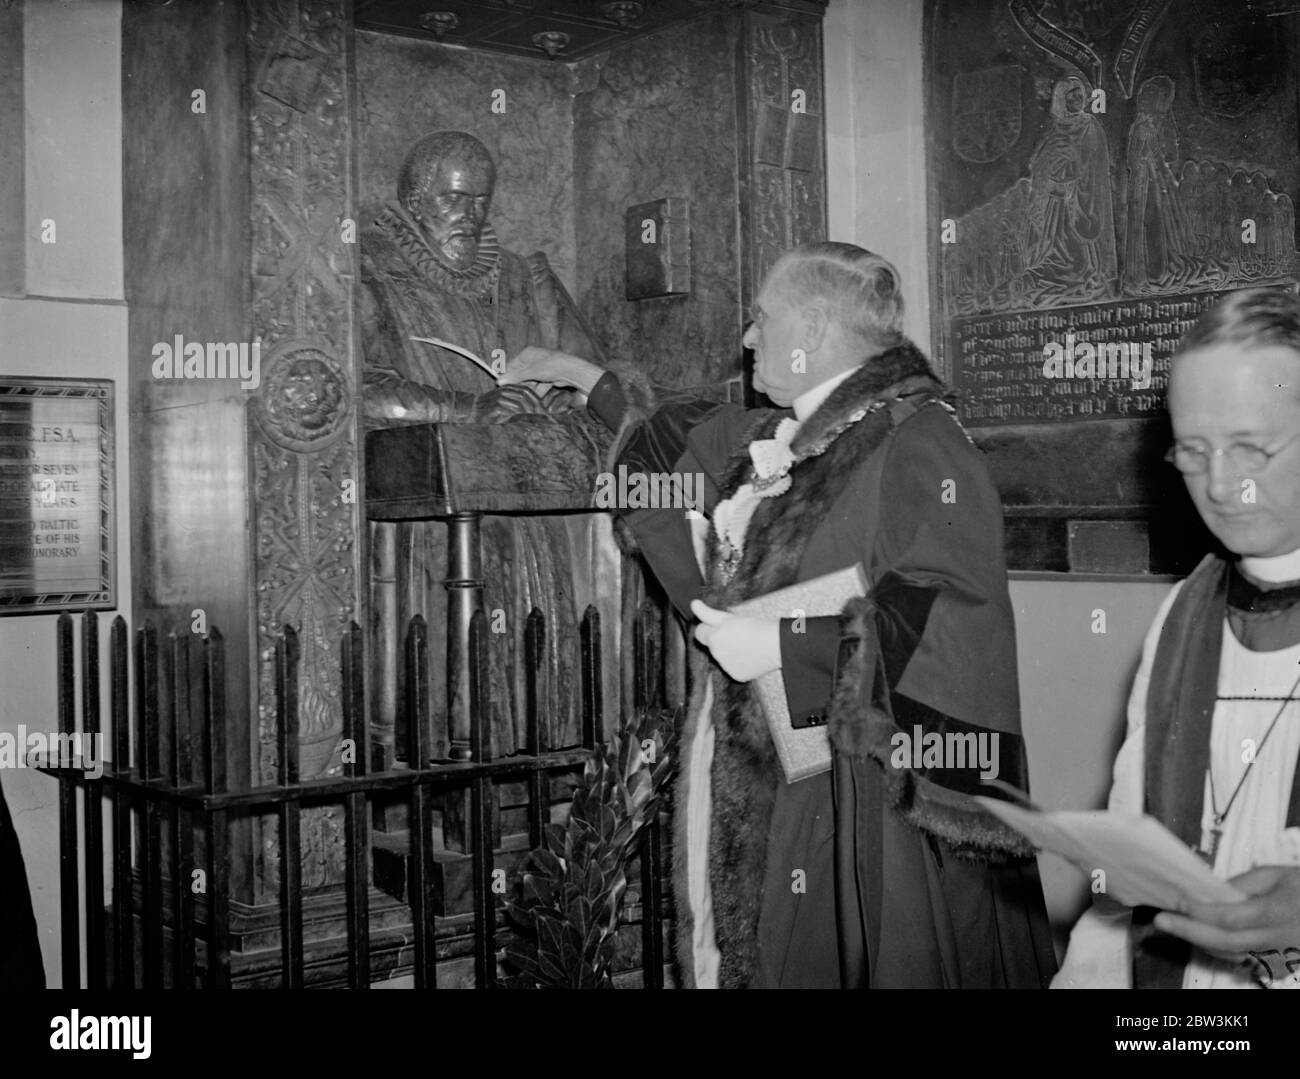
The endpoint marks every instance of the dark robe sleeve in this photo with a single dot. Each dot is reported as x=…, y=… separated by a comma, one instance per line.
x=685, y=436
x=940, y=633
x=944, y=616
x=939, y=589
x=930, y=888
x=808, y=653
x=607, y=402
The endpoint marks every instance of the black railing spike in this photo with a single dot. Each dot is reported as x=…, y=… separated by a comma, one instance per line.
x=69, y=894
x=120, y=720
x=479, y=689
x=417, y=692
x=592, y=676
x=93, y=805
x=356, y=846
x=534, y=651
x=214, y=707
x=193, y=729
x=286, y=699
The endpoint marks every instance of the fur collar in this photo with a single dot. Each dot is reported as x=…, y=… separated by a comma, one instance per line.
x=878, y=374
x=848, y=425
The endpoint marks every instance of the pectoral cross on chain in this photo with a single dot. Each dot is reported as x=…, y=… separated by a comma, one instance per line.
x=1210, y=841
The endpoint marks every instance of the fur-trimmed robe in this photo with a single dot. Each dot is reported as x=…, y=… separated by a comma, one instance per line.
x=870, y=875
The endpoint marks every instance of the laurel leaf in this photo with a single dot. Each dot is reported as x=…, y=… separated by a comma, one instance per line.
x=569, y=905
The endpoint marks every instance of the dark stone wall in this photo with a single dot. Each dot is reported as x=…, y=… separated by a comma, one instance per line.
x=407, y=88
x=186, y=258
x=13, y=206
x=1181, y=133
x=575, y=147
x=655, y=118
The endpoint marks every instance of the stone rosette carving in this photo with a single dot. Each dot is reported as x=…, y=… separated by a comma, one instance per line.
x=306, y=400
x=304, y=442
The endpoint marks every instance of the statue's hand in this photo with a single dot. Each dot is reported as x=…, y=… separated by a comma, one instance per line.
x=499, y=405
x=547, y=365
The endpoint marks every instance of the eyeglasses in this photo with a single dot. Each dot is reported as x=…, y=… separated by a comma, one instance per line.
x=1193, y=458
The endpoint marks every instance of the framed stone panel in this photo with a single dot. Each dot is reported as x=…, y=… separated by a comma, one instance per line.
x=1100, y=173
x=56, y=495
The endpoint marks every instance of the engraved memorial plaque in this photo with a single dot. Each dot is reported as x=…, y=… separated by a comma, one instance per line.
x=1101, y=173
x=56, y=494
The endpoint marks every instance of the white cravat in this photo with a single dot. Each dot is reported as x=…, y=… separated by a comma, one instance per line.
x=731, y=517
x=1282, y=567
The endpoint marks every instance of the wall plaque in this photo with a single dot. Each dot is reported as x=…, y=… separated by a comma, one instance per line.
x=1113, y=360
x=658, y=249
x=1100, y=172
x=56, y=495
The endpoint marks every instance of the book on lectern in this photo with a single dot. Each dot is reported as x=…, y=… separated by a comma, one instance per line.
x=802, y=751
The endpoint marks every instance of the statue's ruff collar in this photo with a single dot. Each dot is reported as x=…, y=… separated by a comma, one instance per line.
x=477, y=282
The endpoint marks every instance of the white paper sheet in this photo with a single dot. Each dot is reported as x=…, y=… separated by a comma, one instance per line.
x=1145, y=864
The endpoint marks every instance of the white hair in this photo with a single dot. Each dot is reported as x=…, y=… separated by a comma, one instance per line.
x=859, y=287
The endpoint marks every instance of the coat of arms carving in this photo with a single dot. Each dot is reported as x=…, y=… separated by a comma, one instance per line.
x=986, y=112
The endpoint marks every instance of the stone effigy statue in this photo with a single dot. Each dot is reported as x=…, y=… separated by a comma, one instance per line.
x=432, y=267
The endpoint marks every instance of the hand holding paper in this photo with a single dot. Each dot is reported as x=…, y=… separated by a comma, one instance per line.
x=1144, y=864
x=1268, y=919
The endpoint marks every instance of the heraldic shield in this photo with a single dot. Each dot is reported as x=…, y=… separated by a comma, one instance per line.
x=1237, y=63
x=986, y=112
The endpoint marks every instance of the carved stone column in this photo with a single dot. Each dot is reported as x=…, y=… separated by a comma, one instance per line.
x=780, y=94
x=303, y=446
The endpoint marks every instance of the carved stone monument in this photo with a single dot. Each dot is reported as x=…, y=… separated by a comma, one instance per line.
x=1102, y=172
x=257, y=227
x=432, y=268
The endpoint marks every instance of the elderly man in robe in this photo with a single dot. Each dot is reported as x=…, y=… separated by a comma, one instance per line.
x=882, y=871
x=1214, y=715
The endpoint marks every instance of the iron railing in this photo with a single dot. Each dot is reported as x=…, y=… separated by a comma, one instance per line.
x=165, y=919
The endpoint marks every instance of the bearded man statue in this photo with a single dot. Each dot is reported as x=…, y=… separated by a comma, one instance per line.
x=432, y=267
